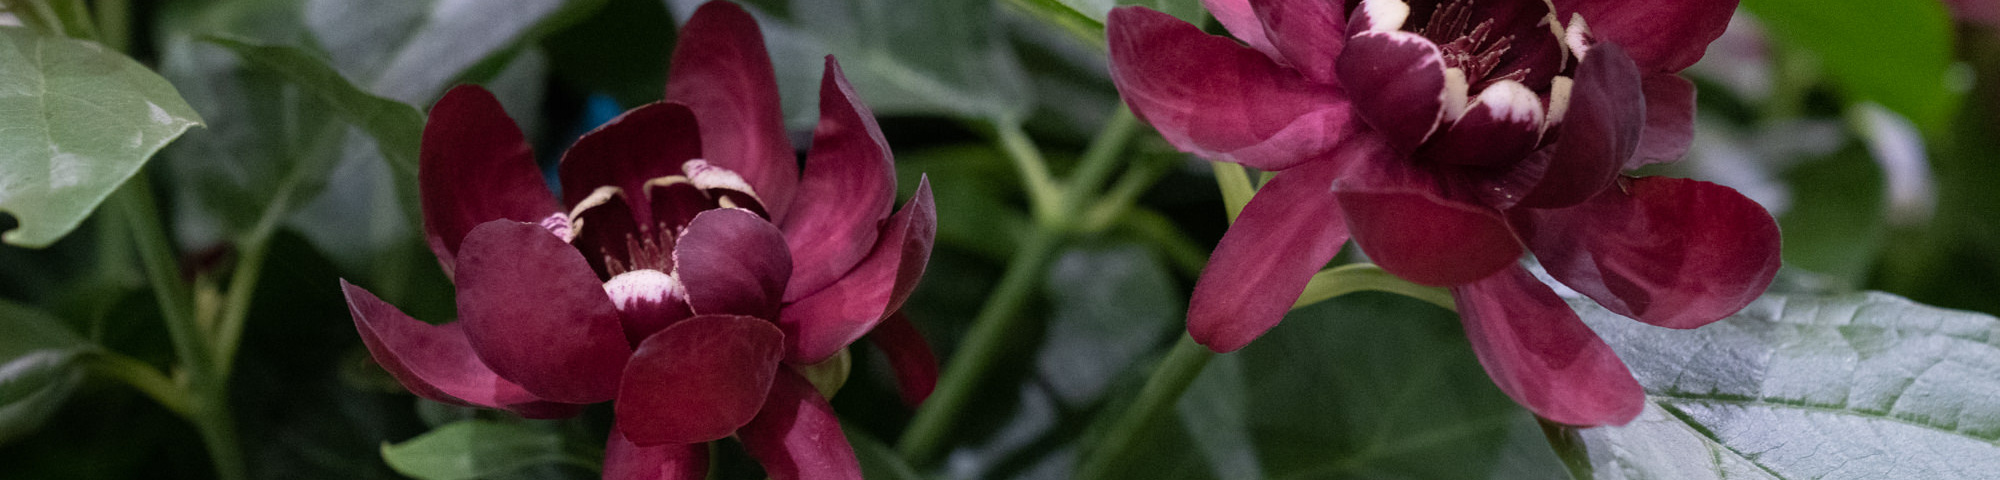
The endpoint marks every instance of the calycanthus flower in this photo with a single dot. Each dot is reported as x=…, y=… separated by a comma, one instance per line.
x=694, y=277
x=1449, y=138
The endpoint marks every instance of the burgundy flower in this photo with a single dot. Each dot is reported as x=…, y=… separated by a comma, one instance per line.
x=692, y=275
x=1449, y=138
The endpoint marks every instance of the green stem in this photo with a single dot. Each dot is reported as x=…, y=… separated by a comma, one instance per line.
x=1100, y=158
x=208, y=393
x=36, y=15
x=1236, y=188
x=1043, y=192
x=994, y=329
x=144, y=378
x=114, y=19
x=1162, y=391
x=163, y=271
x=1122, y=196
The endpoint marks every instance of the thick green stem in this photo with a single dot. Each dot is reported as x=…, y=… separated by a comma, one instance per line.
x=1162, y=391
x=1101, y=158
x=1236, y=188
x=207, y=393
x=994, y=329
x=1043, y=192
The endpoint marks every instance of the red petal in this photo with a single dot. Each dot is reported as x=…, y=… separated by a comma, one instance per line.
x=732, y=263
x=910, y=357
x=1669, y=120
x=648, y=301
x=1241, y=20
x=535, y=312
x=626, y=461
x=797, y=436
x=645, y=143
x=1290, y=229
x=1309, y=33
x=436, y=362
x=1542, y=355
x=1607, y=112
x=721, y=71
x=1212, y=97
x=1399, y=218
x=698, y=380
x=1398, y=84
x=1664, y=37
x=1499, y=128
x=475, y=167
x=819, y=325
x=849, y=187
x=1670, y=252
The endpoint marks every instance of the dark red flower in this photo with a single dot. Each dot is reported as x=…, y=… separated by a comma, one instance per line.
x=1449, y=138
x=694, y=272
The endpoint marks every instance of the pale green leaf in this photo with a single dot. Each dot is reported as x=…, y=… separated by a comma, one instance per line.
x=76, y=121
x=476, y=448
x=1864, y=385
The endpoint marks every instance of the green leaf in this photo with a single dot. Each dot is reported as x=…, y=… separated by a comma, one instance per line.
x=1110, y=307
x=471, y=38
x=477, y=448
x=1895, y=52
x=38, y=368
x=76, y=121
x=1371, y=385
x=1190, y=11
x=1865, y=385
x=936, y=57
x=397, y=127
x=1835, y=225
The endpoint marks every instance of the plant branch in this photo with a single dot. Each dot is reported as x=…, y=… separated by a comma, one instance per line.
x=1162, y=391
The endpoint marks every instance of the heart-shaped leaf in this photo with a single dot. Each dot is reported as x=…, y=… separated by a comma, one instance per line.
x=76, y=121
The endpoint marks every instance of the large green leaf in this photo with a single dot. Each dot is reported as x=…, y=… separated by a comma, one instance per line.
x=462, y=38
x=937, y=57
x=1863, y=385
x=76, y=121
x=1370, y=385
x=478, y=448
x=1110, y=307
x=1894, y=52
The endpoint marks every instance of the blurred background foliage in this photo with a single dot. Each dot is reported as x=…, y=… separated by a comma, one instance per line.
x=1867, y=128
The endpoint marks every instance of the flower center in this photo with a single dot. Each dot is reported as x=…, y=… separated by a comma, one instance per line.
x=1470, y=45
x=618, y=233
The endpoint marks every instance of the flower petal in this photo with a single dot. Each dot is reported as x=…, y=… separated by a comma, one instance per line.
x=849, y=187
x=1400, y=219
x=648, y=301
x=910, y=357
x=1669, y=120
x=698, y=380
x=1309, y=33
x=436, y=362
x=722, y=72
x=626, y=461
x=1239, y=17
x=732, y=262
x=819, y=325
x=643, y=144
x=1663, y=37
x=1598, y=132
x=1397, y=80
x=1671, y=252
x=474, y=166
x=1538, y=352
x=797, y=437
x=1500, y=127
x=1290, y=229
x=1217, y=99
x=535, y=312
